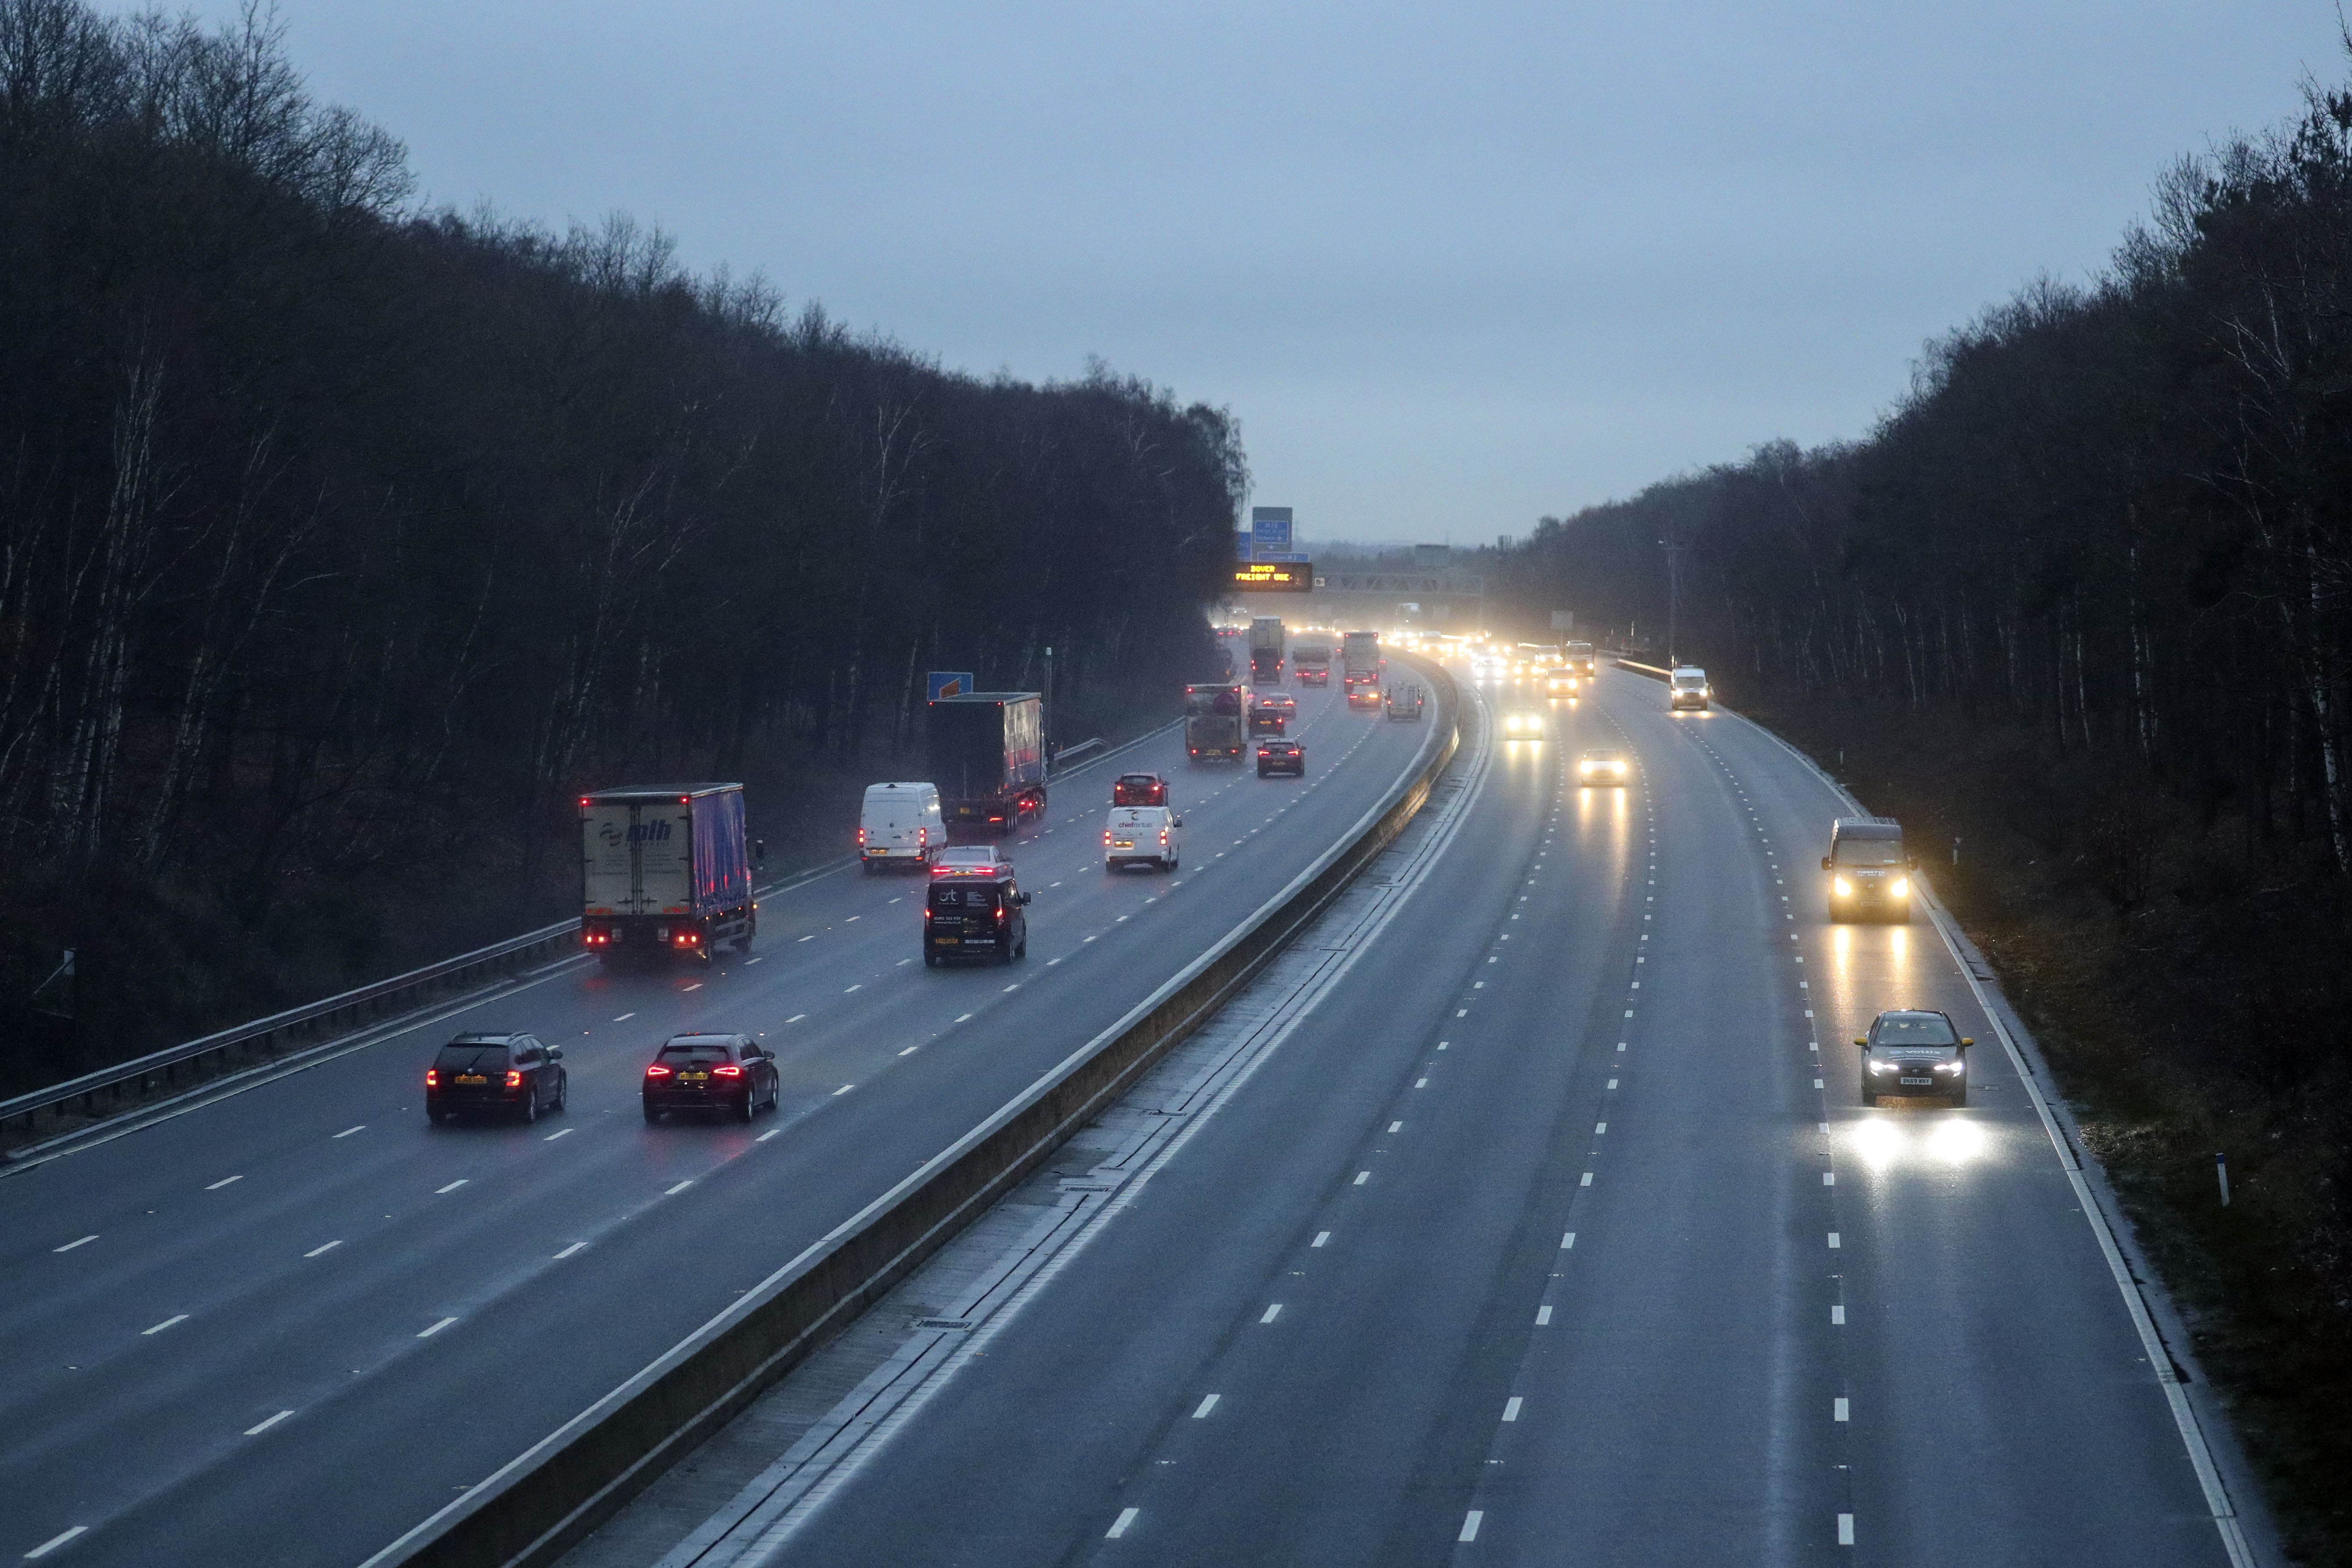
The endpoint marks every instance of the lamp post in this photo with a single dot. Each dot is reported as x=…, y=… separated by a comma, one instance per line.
x=1674, y=597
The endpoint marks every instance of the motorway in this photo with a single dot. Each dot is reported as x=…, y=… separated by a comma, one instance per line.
x=289, y=1324
x=1557, y=1234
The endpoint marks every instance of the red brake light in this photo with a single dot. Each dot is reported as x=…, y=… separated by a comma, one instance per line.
x=433, y=1077
x=731, y=1070
x=861, y=836
x=657, y=1070
x=514, y=1077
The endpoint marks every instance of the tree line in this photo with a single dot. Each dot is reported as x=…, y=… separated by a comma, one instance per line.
x=340, y=539
x=2119, y=513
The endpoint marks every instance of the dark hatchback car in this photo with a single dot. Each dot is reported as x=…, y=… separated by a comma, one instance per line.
x=974, y=911
x=1914, y=1053
x=711, y=1072
x=1139, y=789
x=1281, y=757
x=505, y=1075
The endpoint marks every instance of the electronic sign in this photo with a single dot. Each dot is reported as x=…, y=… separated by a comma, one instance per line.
x=1275, y=577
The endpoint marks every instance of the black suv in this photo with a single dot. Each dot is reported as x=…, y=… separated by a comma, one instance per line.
x=974, y=911
x=1139, y=789
x=1281, y=756
x=512, y=1075
x=1914, y=1053
x=711, y=1072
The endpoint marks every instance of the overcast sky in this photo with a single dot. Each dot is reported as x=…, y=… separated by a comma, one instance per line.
x=1453, y=267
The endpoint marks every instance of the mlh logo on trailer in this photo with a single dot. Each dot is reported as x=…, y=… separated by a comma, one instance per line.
x=639, y=833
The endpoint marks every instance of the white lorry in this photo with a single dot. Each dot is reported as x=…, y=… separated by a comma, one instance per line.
x=900, y=823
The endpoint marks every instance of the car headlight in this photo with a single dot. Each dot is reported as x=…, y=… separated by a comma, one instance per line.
x=1882, y=1067
x=1901, y=887
x=1845, y=889
x=1950, y=1066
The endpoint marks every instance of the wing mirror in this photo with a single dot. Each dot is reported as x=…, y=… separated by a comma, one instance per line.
x=1825, y=862
x=1966, y=1042
x=1861, y=1041
x=1024, y=897
x=555, y=1053
x=1179, y=822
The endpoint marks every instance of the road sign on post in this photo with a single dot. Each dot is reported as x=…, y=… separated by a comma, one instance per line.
x=948, y=683
x=1269, y=531
x=1563, y=620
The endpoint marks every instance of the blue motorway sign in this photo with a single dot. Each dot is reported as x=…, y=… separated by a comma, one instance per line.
x=948, y=683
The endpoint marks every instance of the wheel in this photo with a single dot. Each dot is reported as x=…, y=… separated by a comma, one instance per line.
x=931, y=961
x=653, y=1114
x=1960, y=1098
x=435, y=1115
x=1172, y=863
x=562, y=1095
x=1867, y=1097
x=529, y=1112
x=1022, y=951
x=744, y=1110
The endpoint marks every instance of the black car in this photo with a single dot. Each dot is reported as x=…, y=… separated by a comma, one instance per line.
x=974, y=911
x=510, y=1075
x=1139, y=789
x=1281, y=756
x=710, y=1072
x=1914, y=1053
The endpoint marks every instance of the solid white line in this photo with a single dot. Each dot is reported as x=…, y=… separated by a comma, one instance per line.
x=436, y=1328
x=1320, y=1237
x=176, y=1318
x=625, y=1017
x=679, y=1189
x=1543, y=1317
x=349, y=1131
x=54, y=1542
x=1272, y=1314
x=1470, y=1525
x=1014, y=987
x=225, y=1181
x=1511, y=1408
x=695, y=986
x=330, y=1247
x=963, y=1018
x=1205, y=1407
x=1568, y=1241
x=811, y=937
x=570, y=1249
x=554, y=1136
x=1838, y=1410
x=771, y=1133
x=859, y=986
x=845, y=1089
x=452, y=1186
x=1845, y=1529
x=69, y=1246
x=1119, y=1526
x=796, y=1018
x=266, y=1426
x=911, y=1050
x=748, y=961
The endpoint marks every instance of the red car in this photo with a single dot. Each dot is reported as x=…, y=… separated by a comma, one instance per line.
x=1139, y=789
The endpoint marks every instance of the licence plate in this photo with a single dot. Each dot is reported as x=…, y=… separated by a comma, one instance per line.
x=1122, y=844
x=1918, y=1080
x=705, y=1077
x=946, y=941
x=471, y=1078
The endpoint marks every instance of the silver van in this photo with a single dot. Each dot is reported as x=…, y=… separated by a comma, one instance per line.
x=1870, y=875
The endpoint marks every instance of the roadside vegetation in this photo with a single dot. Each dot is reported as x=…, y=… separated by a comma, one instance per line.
x=342, y=542
x=2078, y=606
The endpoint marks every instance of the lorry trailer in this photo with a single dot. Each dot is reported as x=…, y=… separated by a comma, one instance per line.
x=1266, y=650
x=987, y=752
x=1212, y=723
x=664, y=868
x=1359, y=654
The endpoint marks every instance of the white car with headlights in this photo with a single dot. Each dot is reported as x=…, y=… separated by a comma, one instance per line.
x=1142, y=836
x=1914, y=1053
x=1603, y=768
x=1519, y=725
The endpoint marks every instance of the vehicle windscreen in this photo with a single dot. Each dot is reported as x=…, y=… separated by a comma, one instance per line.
x=1913, y=1031
x=1869, y=852
x=955, y=898
x=1689, y=682
x=696, y=1054
x=471, y=1058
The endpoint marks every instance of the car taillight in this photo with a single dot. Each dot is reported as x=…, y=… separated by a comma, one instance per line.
x=1000, y=911
x=514, y=1077
x=432, y=1078
x=1164, y=835
x=922, y=836
x=729, y=1071
x=657, y=1070
x=1105, y=835
x=861, y=836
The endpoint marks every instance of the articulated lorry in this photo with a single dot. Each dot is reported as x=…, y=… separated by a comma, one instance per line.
x=664, y=868
x=1212, y=723
x=987, y=753
x=1360, y=656
x=1311, y=658
x=1266, y=650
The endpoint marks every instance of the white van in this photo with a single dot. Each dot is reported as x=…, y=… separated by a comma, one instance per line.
x=901, y=824
x=1687, y=687
x=1146, y=833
